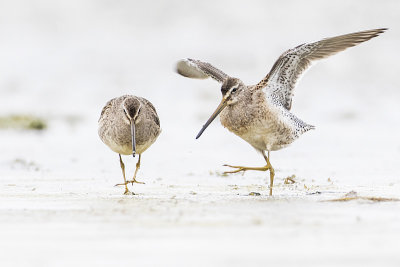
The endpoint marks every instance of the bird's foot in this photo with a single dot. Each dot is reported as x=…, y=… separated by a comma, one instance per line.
x=243, y=169
x=128, y=193
x=130, y=182
x=134, y=181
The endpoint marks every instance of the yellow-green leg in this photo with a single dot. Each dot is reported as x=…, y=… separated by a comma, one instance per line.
x=265, y=168
x=271, y=173
x=127, y=192
x=136, y=171
x=242, y=169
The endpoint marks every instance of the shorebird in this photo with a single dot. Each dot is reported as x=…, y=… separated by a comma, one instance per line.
x=129, y=125
x=260, y=114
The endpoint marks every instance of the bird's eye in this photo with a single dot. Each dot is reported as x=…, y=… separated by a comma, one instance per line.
x=126, y=113
x=234, y=89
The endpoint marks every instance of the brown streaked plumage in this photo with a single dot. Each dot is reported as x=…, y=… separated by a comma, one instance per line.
x=260, y=114
x=129, y=125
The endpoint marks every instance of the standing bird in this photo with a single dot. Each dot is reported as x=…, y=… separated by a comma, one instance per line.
x=129, y=125
x=260, y=114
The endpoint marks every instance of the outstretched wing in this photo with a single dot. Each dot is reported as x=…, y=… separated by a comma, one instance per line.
x=290, y=66
x=197, y=69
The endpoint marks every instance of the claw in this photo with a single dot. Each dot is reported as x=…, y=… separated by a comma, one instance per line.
x=239, y=169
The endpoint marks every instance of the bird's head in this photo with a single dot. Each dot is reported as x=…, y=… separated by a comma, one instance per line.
x=131, y=107
x=230, y=89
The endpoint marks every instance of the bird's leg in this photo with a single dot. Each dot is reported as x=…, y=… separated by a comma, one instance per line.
x=127, y=192
x=242, y=169
x=137, y=169
x=271, y=172
x=265, y=168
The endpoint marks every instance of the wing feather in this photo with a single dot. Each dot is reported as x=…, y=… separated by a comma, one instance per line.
x=197, y=69
x=291, y=65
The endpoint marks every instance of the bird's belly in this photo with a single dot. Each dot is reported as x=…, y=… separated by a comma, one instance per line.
x=123, y=149
x=119, y=139
x=264, y=136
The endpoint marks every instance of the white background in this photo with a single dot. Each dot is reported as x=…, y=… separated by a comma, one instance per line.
x=62, y=60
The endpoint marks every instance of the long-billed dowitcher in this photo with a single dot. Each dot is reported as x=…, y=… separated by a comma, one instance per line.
x=129, y=125
x=260, y=114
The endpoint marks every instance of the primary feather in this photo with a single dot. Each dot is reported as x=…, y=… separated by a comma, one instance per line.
x=291, y=65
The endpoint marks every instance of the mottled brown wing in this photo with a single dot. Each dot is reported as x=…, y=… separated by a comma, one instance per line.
x=197, y=69
x=154, y=114
x=106, y=106
x=290, y=66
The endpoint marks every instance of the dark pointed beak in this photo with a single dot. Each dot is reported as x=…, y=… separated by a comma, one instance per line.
x=220, y=107
x=133, y=138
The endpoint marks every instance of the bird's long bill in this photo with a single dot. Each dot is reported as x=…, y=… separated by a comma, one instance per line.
x=220, y=107
x=133, y=138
